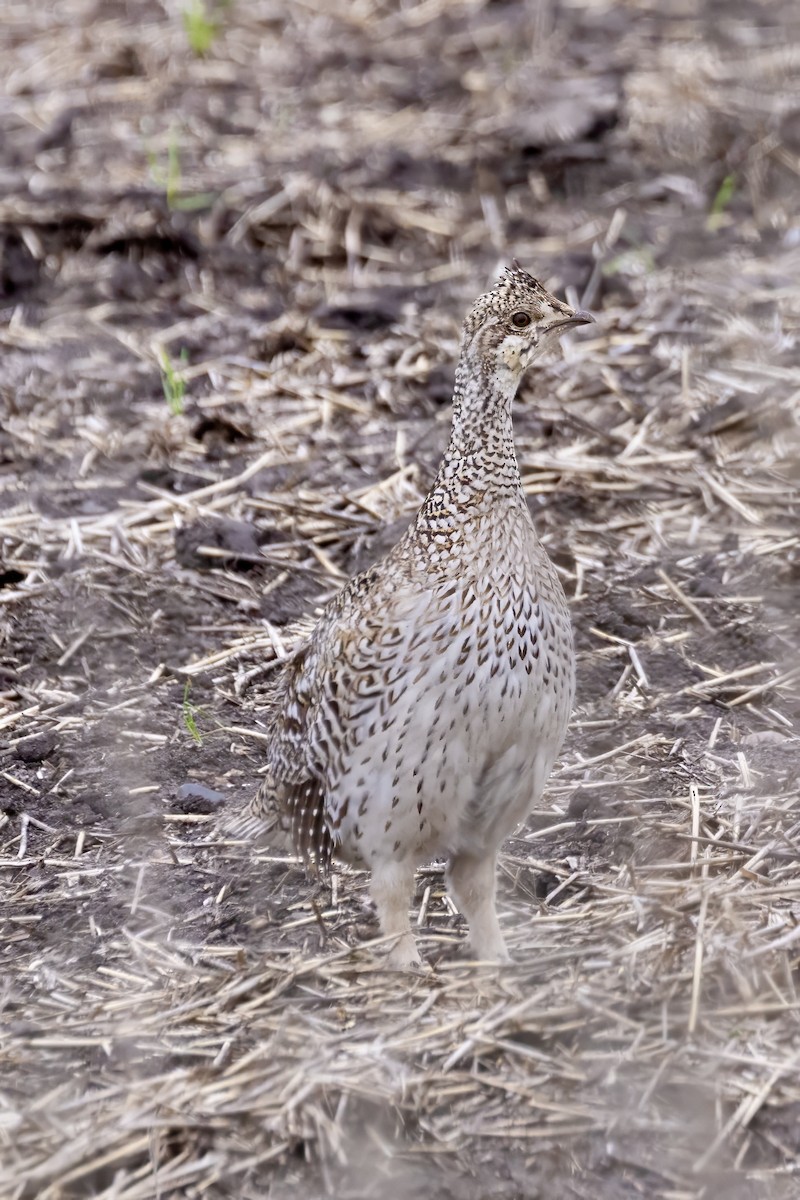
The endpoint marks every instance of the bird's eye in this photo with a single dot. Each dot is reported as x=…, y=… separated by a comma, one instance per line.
x=521, y=319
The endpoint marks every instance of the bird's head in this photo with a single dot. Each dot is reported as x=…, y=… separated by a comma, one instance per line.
x=518, y=320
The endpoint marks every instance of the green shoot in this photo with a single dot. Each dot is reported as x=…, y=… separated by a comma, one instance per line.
x=171, y=180
x=189, y=711
x=720, y=202
x=172, y=380
x=724, y=195
x=199, y=26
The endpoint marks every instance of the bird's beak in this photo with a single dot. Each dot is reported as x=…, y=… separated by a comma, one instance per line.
x=579, y=317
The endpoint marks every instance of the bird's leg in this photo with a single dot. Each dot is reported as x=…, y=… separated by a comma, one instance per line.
x=391, y=888
x=471, y=881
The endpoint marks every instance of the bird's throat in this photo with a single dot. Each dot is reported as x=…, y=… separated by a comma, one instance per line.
x=480, y=454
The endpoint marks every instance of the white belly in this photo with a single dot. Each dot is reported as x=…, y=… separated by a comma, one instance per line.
x=458, y=749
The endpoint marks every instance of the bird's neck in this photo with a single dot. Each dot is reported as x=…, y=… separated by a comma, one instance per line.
x=480, y=457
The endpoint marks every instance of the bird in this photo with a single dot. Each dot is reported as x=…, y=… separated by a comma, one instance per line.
x=422, y=716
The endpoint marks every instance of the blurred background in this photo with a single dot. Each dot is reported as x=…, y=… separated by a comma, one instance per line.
x=216, y=164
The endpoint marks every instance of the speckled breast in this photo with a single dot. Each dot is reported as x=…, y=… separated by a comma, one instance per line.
x=523, y=690
x=481, y=693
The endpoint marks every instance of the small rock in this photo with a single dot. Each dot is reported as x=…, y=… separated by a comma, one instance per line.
x=36, y=747
x=195, y=798
x=579, y=805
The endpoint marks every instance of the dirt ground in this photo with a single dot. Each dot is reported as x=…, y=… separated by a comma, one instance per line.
x=236, y=243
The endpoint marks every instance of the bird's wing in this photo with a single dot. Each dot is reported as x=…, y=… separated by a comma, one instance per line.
x=326, y=693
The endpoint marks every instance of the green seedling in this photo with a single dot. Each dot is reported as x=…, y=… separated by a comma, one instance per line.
x=720, y=202
x=171, y=178
x=189, y=718
x=200, y=28
x=172, y=380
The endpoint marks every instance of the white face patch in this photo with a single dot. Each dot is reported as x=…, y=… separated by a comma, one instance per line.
x=511, y=350
x=515, y=353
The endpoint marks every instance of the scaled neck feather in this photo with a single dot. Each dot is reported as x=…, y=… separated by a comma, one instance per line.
x=480, y=454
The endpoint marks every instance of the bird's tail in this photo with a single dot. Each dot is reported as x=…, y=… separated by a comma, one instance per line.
x=255, y=825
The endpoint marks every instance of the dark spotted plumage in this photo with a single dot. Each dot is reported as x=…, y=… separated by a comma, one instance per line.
x=423, y=715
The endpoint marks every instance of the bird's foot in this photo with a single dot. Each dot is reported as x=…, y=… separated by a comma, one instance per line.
x=404, y=955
